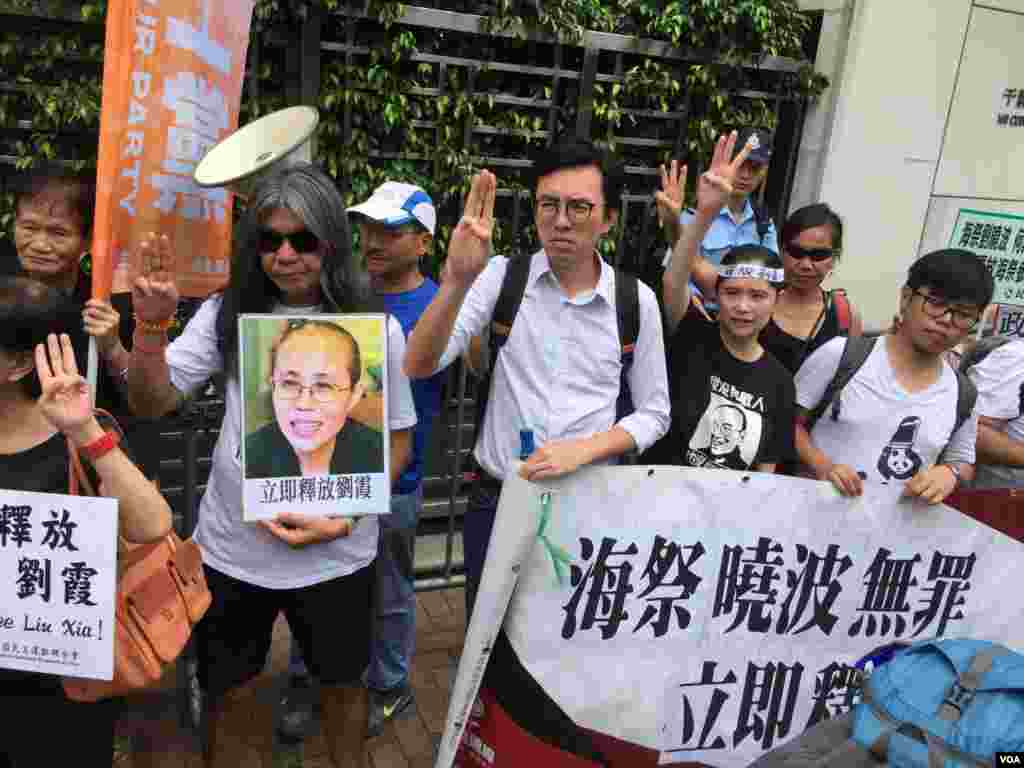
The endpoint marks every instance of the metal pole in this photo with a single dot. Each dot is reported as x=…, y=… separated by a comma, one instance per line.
x=456, y=480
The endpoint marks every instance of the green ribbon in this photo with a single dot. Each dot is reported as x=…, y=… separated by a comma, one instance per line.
x=559, y=557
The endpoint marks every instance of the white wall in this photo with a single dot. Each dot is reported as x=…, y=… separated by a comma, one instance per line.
x=885, y=139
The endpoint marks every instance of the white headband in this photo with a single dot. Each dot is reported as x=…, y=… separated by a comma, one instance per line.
x=754, y=271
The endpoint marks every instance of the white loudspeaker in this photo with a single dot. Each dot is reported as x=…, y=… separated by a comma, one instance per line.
x=268, y=144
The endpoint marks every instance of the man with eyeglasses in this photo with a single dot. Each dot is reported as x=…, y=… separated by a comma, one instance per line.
x=905, y=416
x=557, y=374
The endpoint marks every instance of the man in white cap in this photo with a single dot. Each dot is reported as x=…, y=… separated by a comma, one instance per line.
x=396, y=228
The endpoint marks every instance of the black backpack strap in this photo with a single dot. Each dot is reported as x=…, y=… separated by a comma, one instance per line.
x=855, y=352
x=966, y=397
x=979, y=350
x=762, y=222
x=627, y=315
x=513, y=286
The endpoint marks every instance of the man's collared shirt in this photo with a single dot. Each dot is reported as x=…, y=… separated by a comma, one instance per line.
x=727, y=232
x=558, y=373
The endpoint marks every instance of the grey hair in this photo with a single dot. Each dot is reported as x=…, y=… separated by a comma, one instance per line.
x=310, y=194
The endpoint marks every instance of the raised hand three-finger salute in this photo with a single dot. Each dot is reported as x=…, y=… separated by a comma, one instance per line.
x=470, y=245
x=469, y=251
x=155, y=292
x=714, y=187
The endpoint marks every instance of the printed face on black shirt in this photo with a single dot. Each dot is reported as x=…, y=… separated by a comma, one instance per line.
x=726, y=413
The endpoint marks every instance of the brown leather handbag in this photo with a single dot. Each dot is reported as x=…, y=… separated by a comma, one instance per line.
x=161, y=594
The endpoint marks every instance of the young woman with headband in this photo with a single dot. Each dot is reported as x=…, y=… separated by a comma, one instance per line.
x=732, y=402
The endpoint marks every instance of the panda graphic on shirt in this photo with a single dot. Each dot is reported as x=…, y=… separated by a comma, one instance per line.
x=899, y=460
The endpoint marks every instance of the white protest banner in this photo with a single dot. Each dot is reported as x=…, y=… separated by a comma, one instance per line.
x=511, y=540
x=313, y=421
x=58, y=582
x=712, y=615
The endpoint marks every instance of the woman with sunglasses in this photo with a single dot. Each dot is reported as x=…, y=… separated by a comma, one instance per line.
x=293, y=256
x=806, y=316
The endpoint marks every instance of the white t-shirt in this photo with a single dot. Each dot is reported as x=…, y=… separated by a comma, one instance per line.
x=1000, y=382
x=246, y=551
x=882, y=430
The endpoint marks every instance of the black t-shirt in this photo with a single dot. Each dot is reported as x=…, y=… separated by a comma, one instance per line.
x=791, y=351
x=726, y=413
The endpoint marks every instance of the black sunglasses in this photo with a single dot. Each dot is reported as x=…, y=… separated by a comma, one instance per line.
x=814, y=254
x=302, y=241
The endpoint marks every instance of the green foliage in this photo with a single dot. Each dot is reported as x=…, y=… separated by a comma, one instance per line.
x=390, y=110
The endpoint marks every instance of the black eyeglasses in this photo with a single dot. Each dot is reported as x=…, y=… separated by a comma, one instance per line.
x=936, y=308
x=814, y=254
x=576, y=211
x=321, y=391
x=302, y=241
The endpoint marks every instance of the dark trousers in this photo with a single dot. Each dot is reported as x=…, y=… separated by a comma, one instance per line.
x=476, y=532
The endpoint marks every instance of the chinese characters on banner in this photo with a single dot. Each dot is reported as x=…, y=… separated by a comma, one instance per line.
x=998, y=238
x=1010, y=112
x=712, y=615
x=58, y=580
x=172, y=82
x=314, y=392
x=1009, y=321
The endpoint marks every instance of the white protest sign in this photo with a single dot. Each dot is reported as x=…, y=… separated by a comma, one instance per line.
x=58, y=582
x=712, y=614
x=315, y=406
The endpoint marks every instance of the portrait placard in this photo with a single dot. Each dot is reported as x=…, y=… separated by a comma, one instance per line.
x=314, y=390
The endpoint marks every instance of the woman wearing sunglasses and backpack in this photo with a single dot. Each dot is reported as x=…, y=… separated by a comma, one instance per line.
x=806, y=315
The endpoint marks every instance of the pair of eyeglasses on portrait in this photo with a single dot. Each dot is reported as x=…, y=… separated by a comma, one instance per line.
x=322, y=392
x=577, y=211
x=302, y=241
x=814, y=254
x=935, y=307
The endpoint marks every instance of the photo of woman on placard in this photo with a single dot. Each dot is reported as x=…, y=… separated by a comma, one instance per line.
x=316, y=381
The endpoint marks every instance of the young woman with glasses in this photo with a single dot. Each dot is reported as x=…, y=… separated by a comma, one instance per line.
x=806, y=316
x=316, y=382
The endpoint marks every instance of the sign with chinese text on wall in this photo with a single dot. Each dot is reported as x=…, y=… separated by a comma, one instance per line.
x=58, y=580
x=982, y=152
x=314, y=391
x=172, y=83
x=710, y=615
x=998, y=238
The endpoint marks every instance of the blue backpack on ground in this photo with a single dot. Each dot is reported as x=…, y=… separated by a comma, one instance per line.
x=943, y=704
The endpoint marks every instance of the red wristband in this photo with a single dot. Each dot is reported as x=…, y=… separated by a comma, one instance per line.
x=101, y=446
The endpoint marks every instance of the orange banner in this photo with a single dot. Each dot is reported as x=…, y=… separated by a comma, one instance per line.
x=172, y=83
